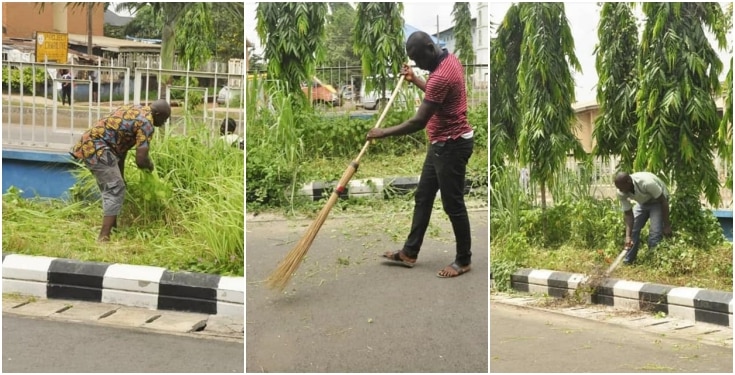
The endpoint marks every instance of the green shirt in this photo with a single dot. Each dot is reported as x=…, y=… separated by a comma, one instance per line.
x=646, y=187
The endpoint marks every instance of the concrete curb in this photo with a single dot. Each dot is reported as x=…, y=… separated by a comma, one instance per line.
x=365, y=188
x=138, y=286
x=694, y=304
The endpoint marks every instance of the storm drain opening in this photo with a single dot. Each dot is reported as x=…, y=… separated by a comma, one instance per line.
x=152, y=319
x=199, y=326
x=105, y=315
x=66, y=307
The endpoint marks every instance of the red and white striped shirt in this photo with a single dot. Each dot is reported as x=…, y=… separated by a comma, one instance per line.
x=446, y=87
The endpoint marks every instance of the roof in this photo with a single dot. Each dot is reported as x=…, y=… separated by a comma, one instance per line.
x=408, y=30
x=114, y=44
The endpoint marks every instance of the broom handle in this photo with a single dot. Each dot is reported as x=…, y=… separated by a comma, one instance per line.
x=382, y=116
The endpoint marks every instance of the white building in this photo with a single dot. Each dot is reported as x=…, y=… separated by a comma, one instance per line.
x=481, y=42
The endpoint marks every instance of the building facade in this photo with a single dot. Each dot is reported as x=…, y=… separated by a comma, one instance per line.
x=23, y=20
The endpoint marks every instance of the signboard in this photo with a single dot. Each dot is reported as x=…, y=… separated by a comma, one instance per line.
x=52, y=47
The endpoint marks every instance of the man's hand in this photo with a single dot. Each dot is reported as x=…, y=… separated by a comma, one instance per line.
x=375, y=133
x=408, y=72
x=628, y=242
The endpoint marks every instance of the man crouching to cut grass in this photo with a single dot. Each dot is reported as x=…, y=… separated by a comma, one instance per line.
x=104, y=147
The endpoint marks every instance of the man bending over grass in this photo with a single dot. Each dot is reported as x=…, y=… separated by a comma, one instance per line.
x=104, y=147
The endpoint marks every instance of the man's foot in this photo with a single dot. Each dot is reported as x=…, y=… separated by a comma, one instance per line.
x=103, y=239
x=453, y=270
x=400, y=257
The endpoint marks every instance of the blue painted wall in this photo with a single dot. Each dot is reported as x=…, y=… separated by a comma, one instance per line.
x=43, y=174
x=725, y=219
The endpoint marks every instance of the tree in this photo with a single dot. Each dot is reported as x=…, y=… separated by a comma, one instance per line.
x=171, y=14
x=725, y=131
x=616, y=52
x=339, y=35
x=145, y=24
x=195, y=36
x=505, y=118
x=679, y=70
x=465, y=51
x=379, y=40
x=228, y=35
x=293, y=37
x=546, y=92
x=88, y=7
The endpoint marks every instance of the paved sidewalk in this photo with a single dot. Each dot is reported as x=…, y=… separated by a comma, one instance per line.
x=172, y=322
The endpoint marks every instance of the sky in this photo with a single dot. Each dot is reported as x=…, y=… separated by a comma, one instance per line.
x=422, y=15
x=583, y=19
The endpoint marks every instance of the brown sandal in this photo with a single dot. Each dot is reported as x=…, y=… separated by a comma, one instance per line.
x=395, y=257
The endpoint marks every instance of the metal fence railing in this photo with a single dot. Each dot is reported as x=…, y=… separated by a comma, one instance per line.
x=35, y=117
x=343, y=89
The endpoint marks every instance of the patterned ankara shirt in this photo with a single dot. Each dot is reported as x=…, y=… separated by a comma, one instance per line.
x=127, y=127
x=446, y=87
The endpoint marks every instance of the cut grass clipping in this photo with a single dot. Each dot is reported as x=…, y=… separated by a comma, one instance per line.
x=187, y=215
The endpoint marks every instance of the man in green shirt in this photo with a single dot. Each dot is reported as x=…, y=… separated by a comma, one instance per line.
x=652, y=200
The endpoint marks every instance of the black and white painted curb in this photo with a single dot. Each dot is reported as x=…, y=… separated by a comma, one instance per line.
x=694, y=304
x=365, y=188
x=129, y=285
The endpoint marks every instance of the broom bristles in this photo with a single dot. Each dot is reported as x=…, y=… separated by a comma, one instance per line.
x=280, y=277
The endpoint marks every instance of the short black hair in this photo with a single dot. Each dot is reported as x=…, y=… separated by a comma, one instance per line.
x=228, y=126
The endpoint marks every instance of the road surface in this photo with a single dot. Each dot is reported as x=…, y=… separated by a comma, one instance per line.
x=42, y=345
x=526, y=340
x=347, y=311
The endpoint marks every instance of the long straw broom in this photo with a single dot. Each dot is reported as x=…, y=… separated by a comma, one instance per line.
x=288, y=266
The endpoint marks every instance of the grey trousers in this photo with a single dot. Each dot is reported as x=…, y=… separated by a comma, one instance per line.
x=110, y=182
x=641, y=214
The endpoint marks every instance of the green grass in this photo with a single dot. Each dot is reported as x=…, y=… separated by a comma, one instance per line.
x=190, y=219
x=710, y=273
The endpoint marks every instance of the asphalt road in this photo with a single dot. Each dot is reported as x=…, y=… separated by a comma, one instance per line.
x=39, y=345
x=526, y=340
x=347, y=311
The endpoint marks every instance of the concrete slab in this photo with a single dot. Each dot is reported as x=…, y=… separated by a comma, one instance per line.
x=172, y=321
x=10, y=301
x=130, y=317
x=221, y=326
x=41, y=307
x=86, y=311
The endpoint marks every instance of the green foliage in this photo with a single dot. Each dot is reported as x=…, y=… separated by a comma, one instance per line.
x=464, y=50
x=679, y=72
x=546, y=91
x=188, y=215
x=505, y=56
x=379, y=40
x=691, y=224
x=724, y=147
x=193, y=98
x=195, y=35
x=14, y=77
x=282, y=139
x=508, y=254
x=616, y=53
x=293, y=40
x=339, y=36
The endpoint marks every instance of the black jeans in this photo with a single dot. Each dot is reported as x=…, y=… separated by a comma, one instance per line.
x=444, y=170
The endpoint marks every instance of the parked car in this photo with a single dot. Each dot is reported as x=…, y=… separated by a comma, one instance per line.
x=373, y=98
x=347, y=92
x=227, y=94
x=322, y=93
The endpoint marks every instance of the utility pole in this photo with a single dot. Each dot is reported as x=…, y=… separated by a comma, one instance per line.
x=437, y=28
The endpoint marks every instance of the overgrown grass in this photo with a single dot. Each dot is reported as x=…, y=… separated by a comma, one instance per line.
x=581, y=234
x=190, y=218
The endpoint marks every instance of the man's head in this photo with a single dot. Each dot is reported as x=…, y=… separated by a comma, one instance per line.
x=161, y=111
x=422, y=50
x=228, y=126
x=624, y=182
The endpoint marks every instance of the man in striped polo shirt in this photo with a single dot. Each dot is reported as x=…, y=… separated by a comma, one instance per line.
x=443, y=113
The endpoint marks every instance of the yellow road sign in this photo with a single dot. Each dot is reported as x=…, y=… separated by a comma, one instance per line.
x=52, y=47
